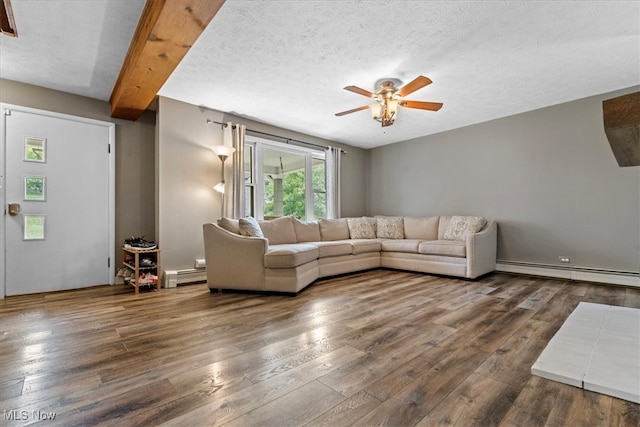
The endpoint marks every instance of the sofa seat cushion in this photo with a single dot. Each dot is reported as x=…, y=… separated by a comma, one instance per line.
x=290, y=255
x=443, y=247
x=333, y=248
x=401, y=245
x=361, y=246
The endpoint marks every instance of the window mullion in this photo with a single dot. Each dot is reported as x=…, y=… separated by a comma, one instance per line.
x=259, y=182
x=308, y=180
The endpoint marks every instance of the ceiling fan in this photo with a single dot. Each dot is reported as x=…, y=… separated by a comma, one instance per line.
x=388, y=97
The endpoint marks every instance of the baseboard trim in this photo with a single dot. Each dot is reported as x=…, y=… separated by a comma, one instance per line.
x=173, y=278
x=571, y=273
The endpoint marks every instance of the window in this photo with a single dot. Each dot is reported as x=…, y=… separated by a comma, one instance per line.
x=319, y=184
x=282, y=180
x=249, y=182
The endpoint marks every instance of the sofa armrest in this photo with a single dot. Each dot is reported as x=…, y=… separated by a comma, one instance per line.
x=233, y=261
x=482, y=250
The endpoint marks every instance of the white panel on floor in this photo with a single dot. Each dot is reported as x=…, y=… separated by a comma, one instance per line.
x=598, y=349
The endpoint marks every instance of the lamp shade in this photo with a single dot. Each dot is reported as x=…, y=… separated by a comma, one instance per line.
x=219, y=187
x=222, y=150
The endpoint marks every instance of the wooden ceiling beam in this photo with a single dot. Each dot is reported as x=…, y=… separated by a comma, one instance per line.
x=7, y=21
x=166, y=31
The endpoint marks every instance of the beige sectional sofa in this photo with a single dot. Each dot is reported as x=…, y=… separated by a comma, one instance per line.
x=293, y=253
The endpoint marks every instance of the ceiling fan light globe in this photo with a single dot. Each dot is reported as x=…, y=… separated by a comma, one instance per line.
x=376, y=111
x=392, y=107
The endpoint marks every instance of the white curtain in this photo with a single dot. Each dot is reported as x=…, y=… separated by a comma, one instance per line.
x=332, y=163
x=238, y=172
x=233, y=206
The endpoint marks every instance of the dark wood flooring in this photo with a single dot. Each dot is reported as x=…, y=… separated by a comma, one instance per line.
x=376, y=348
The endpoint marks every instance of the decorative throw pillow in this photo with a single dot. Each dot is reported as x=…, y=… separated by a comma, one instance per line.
x=232, y=225
x=249, y=227
x=390, y=227
x=362, y=228
x=460, y=226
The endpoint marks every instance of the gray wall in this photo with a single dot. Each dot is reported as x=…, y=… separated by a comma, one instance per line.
x=548, y=177
x=187, y=169
x=134, y=153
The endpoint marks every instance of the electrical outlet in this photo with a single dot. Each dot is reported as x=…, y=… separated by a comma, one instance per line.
x=200, y=263
x=565, y=259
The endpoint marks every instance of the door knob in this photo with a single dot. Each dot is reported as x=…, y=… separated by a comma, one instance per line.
x=14, y=209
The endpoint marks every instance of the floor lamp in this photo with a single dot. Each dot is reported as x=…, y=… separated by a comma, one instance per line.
x=223, y=152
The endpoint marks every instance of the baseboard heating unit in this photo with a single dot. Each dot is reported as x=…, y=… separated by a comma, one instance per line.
x=173, y=278
x=614, y=277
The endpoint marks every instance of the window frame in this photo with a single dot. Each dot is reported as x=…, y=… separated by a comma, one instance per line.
x=257, y=145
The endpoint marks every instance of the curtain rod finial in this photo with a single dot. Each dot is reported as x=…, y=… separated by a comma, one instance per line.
x=209, y=122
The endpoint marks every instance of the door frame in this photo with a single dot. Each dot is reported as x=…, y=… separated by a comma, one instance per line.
x=5, y=110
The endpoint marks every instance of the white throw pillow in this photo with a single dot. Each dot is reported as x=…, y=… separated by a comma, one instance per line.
x=362, y=228
x=460, y=226
x=390, y=227
x=249, y=227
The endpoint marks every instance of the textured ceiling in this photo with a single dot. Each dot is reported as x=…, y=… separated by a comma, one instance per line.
x=75, y=46
x=285, y=63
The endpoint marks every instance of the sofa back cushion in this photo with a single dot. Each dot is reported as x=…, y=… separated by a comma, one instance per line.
x=362, y=228
x=279, y=231
x=389, y=227
x=334, y=229
x=423, y=227
x=306, y=231
x=229, y=224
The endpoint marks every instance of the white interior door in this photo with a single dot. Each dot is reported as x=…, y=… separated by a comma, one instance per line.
x=58, y=199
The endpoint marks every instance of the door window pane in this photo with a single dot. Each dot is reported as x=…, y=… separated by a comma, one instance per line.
x=33, y=227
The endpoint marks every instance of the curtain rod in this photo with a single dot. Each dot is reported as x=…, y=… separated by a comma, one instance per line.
x=209, y=121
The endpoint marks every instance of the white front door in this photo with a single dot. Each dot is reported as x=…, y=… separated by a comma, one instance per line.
x=58, y=201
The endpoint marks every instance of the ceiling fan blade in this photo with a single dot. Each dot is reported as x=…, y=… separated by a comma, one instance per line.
x=415, y=84
x=359, y=91
x=422, y=105
x=352, y=111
